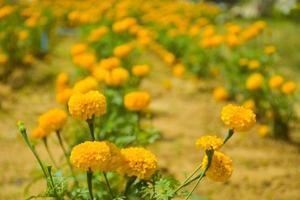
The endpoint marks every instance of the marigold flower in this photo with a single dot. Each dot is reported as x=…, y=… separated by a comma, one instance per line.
x=100, y=74
x=85, y=60
x=38, y=133
x=220, y=94
x=61, y=82
x=78, y=49
x=269, y=50
x=249, y=104
x=238, y=117
x=243, y=61
x=85, y=85
x=178, y=70
x=276, y=81
x=97, y=33
x=52, y=120
x=63, y=96
x=136, y=101
x=3, y=58
x=254, y=81
x=209, y=142
x=263, y=130
x=220, y=168
x=122, y=50
x=253, y=64
x=110, y=63
x=117, y=77
x=84, y=106
x=169, y=58
x=22, y=35
x=141, y=70
x=138, y=162
x=289, y=87
x=96, y=156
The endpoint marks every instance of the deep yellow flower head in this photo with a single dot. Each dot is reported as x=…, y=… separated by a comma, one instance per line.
x=168, y=58
x=63, y=96
x=178, y=70
x=138, y=162
x=220, y=94
x=123, y=25
x=77, y=49
x=38, y=133
x=84, y=106
x=289, y=87
x=3, y=58
x=123, y=50
x=100, y=73
x=136, y=101
x=110, y=63
x=209, y=142
x=85, y=85
x=141, y=70
x=276, y=81
x=221, y=167
x=243, y=61
x=52, y=120
x=263, y=130
x=96, y=156
x=254, y=81
x=85, y=60
x=97, y=33
x=249, y=104
x=23, y=35
x=238, y=117
x=269, y=50
x=117, y=77
x=253, y=64
x=62, y=80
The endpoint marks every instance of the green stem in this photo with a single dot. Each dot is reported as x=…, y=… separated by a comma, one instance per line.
x=52, y=182
x=229, y=135
x=91, y=127
x=89, y=177
x=66, y=155
x=108, y=185
x=23, y=132
x=128, y=185
x=45, y=141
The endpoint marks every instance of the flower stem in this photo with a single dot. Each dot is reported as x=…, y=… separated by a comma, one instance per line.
x=128, y=184
x=91, y=127
x=66, y=155
x=89, y=177
x=108, y=185
x=45, y=141
x=229, y=135
x=23, y=132
x=49, y=168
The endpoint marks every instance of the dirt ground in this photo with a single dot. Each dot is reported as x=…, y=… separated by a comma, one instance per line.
x=263, y=168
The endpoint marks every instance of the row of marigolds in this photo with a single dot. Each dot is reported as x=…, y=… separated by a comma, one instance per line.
x=127, y=172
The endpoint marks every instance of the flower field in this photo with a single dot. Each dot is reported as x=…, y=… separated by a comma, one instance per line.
x=154, y=100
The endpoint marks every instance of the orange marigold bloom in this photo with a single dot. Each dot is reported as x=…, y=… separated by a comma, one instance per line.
x=117, y=77
x=136, y=101
x=253, y=64
x=52, y=120
x=64, y=95
x=178, y=70
x=38, y=133
x=85, y=85
x=269, y=50
x=263, y=130
x=289, y=87
x=123, y=50
x=85, y=106
x=110, y=63
x=254, y=81
x=209, y=142
x=85, y=60
x=141, y=70
x=220, y=94
x=276, y=81
x=77, y=49
x=100, y=74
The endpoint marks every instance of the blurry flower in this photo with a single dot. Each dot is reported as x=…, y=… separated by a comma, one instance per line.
x=220, y=94
x=100, y=74
x=168, y=58
x=254, y=81
x=122, y=50
x=22, y=35
x=249, y=104
x=253, y=64
x=78, y=49
x=136, y=101
x=243, y=61
x=117, y=77
x=52, y=120
x=288, y=87
x=110, y=63
x=85, y=106
x=3, y=59
x=238, y=117
x=85, y=60
x=97, y=33
x=269, y=50
x=141, y=70
x=85, y=85
x=209, y=142
x=96, y=156
x=178, y=70
x=138, y=162
x=276, y=81
x=63, y=96
x=28, y=59
x=220, y=168
x=263, y=130
x=38, y=133
x=124, y=24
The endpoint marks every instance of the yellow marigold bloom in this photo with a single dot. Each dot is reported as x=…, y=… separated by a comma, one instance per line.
x=289, y=87
x=6, y=11
x=23, y=35
x=168, y=58
x=249, y=104
x=96, y=34
x=136, y=101
x=96, y=156
x=110, y=63
x=269, y=50
x=254, y=81
x=31, y=22
x=178, y=70
x=220, y=168
x=232, y=40
x=84, y=106
x=85, y=85
x=3, y=58
x=122, y=50
x=38, y=133
x=61, y=82
x=138, y=162
x=253, y=64
x=100, y=74
x=220, y=94
x=85, y=60
x=63, y=96
x=243, y=61
x=140, y=70
x=52, y=120
x=263, y=130
x=238, y=117
x=276, y=81
x=117, y=77
x=124, y=25
x=77, y=49
x=209, y=142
